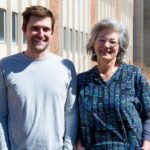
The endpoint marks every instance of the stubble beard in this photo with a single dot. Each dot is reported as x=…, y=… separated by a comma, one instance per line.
x=35, y=49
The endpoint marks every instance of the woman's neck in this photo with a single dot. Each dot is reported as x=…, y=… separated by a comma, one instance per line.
x=106, y=70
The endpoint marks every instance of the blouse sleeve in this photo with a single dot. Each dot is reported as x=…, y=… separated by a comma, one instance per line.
x=143, y=92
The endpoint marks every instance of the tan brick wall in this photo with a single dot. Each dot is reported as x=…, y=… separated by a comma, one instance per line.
x=93, y=12
x=54, y=7
x=118, y=15
x=146, y=33
x=138, y=25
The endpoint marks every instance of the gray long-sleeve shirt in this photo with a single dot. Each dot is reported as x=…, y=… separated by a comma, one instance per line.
x=38, y=110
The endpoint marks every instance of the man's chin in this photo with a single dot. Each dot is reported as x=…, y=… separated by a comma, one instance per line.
x=39, y=49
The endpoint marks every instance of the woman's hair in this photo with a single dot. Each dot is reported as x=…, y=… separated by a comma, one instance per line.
x=109, y=24
x=38, y=11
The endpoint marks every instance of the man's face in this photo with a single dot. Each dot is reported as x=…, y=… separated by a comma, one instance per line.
x=38, y=34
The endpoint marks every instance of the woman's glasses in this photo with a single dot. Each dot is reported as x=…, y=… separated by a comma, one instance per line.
x=112, y=43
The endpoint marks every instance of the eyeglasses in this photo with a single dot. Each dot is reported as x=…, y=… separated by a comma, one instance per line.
x=112, y=42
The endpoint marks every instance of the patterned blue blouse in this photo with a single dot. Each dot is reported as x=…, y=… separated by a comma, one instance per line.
x=112, y=113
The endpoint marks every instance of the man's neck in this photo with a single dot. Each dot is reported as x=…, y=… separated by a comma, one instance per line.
x=36, y=55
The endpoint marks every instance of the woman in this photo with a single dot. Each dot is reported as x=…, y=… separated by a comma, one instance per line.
x=114, y=97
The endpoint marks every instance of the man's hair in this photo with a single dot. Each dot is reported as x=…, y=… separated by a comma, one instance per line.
x=38, y=11
x=109, y=23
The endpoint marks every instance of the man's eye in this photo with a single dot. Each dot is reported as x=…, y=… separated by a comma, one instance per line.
x=102, y=40
x=35, y=28
x=46, y=29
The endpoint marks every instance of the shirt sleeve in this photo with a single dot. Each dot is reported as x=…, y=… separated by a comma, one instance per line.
x=146, y=128
x=3, y=114
x=143, y=91
x=71, y=113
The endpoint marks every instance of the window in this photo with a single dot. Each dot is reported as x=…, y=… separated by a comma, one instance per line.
x=14, y=27
x=24, y=39
x=2, y=25
x=71, y=42
x=65, y=38
x=82, y=42
x=77, y=46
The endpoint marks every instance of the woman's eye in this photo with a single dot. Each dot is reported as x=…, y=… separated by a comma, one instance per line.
x=113, y=42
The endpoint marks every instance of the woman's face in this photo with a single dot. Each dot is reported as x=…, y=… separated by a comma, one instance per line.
x=107, y=45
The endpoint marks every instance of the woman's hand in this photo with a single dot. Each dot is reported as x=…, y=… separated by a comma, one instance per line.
x=146, y=145
x=79, y=145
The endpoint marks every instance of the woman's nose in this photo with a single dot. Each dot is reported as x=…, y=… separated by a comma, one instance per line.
x=107, y=44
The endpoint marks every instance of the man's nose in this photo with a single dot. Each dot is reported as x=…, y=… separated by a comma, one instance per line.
x=41, y=32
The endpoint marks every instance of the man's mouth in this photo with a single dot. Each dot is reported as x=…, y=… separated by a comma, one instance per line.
x=37, y=41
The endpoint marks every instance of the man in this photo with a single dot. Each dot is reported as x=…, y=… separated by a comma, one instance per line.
x=38, y=110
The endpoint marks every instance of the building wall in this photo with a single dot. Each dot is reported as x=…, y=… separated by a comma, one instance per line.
x=80, y=16
x=142, y=33
x=138, y=32
x=8, y=47
x=122, y=10
x=75, y=25
x=127, y=18
x=146, y=40
x=55, y=8
x=74, y=20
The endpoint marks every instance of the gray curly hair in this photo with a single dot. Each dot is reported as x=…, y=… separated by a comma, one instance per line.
x=109, y=24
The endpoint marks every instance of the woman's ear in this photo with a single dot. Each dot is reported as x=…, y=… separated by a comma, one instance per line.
x=93, y=57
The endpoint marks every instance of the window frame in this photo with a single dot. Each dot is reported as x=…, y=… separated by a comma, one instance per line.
x=14, y=37
x=3, y=27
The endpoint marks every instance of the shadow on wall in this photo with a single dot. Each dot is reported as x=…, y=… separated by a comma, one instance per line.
x=146, y=70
